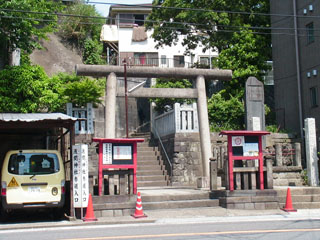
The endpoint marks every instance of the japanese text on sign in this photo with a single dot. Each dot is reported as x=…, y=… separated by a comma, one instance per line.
x=122, y=152
x=80, y=175
x=107, y=153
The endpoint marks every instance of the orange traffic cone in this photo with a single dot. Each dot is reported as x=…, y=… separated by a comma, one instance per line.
x=139, y=211
x=90, y=213
x=288, y=207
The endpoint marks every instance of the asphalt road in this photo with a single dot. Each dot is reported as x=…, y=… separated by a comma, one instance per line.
x=262, y=230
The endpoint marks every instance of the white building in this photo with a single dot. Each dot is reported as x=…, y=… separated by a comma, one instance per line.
x=126, y=38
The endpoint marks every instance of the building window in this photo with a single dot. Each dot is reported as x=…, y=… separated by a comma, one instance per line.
x=314, y=96
x=146, y=59
x=204, y=61
x=310, y=33
x=139, y=19
x=178, y=61
x=163, y=59
x=126, y=18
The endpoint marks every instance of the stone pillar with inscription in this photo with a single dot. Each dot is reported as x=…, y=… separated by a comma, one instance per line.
x=254, y=108
x=254, y=105
x=311, y=151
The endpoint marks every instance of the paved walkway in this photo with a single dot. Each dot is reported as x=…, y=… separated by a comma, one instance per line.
x=184, y=215
x=180, y=216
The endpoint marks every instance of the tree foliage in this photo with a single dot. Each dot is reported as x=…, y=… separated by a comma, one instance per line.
x=83, y=32
x=225, y=114
x=81, y=90
x=92, y=52
x=218, y=25
x=21, y=27
x=27, y=88
x=163, y=104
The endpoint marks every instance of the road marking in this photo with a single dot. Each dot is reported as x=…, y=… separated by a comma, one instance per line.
x=197, y=234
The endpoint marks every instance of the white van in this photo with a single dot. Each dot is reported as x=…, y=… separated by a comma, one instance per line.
x=32, y=179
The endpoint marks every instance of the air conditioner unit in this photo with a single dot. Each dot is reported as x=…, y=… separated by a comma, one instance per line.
x=310, y=8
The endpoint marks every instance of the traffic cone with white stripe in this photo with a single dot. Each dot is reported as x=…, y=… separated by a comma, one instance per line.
x=139, y=211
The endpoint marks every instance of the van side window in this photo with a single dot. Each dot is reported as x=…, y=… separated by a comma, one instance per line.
x=33, y=163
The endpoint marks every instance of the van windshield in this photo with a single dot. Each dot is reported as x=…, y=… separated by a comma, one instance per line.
x=33, y=163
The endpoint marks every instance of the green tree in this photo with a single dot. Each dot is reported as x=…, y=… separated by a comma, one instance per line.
x=218, y=25
x=225, y=114
x=161, y=103
x=27, y=88
x=92, y=52
x=23, y=23
x=81, y=90
x=83, y=32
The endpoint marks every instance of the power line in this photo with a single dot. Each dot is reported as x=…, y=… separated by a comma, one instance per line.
x=179, y=28
x=202, y=10
x=152, y=21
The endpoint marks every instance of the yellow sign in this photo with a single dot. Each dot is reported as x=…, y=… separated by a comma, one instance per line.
x=13, y=183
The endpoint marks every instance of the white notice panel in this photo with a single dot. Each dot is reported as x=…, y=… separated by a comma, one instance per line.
x=122, y=152
x=107, y=153
x=80, y=175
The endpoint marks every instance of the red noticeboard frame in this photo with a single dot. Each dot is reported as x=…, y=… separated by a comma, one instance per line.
x=232, y=158
x=102, y=166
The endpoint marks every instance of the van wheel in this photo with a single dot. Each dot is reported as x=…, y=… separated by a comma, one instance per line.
x=58, y=213
x=4, y=215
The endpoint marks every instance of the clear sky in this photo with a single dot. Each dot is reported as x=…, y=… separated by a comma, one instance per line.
x=103, y=9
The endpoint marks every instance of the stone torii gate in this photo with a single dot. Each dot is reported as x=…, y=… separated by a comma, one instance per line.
x=199, y=93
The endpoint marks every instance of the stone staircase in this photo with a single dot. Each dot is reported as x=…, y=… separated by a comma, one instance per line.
x=153, y=198
x=302, y=197
x=151, y=170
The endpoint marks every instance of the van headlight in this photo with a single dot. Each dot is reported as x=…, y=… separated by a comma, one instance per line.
x=54, y=191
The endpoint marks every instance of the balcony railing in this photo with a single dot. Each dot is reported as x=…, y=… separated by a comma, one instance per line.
x=156, y=62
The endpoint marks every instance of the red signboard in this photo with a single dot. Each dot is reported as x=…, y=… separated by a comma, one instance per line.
x=120, y=153
x=244, y=145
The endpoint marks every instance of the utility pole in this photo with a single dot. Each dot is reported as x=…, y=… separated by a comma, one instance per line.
x=126, y=94
x=298, y=67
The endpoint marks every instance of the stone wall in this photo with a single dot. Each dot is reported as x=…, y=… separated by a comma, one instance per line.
x=184, y=151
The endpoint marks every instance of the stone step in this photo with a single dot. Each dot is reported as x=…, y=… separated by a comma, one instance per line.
x=147, y=154
x=113, y=199
x=150, y=172
x=298, y=191
x=150, y=167
x=147, y=158
x=151, y=178
x=181, y=204
x=178, y=197
x=302, y=205
x=146, y=149
x=145, y=144
x=152, y=183
x=301, y=198
x=149, y=162
x=288, y=182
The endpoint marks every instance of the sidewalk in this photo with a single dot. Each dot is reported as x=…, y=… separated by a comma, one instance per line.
x=177, y=216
